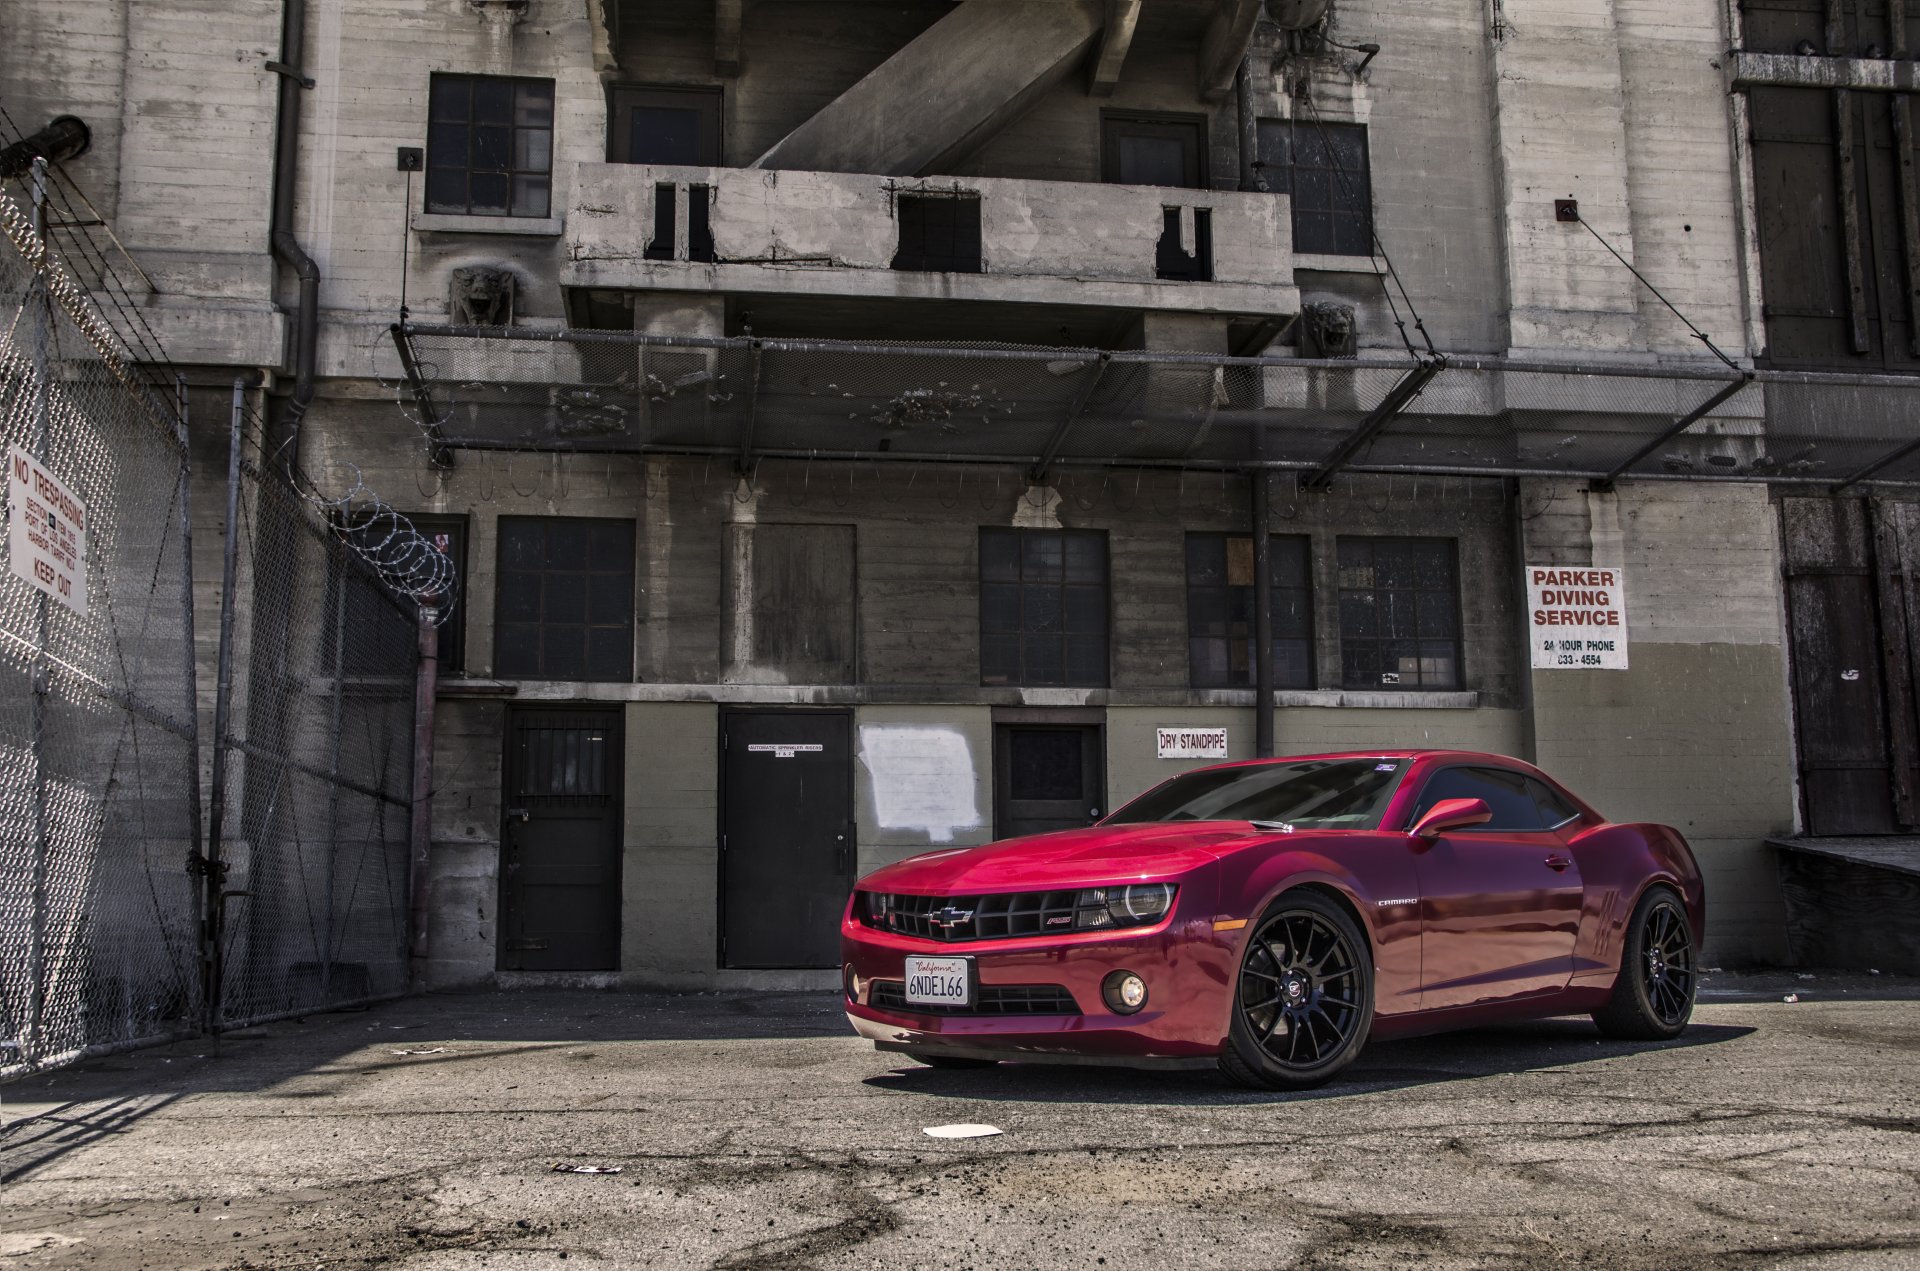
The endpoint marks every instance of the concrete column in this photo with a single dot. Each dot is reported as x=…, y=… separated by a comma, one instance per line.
x=1560, y=123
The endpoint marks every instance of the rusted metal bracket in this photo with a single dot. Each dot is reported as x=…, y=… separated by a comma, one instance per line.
x=438, y=450
x=1679, y=426
x=1398, y=398
x=1051, y=450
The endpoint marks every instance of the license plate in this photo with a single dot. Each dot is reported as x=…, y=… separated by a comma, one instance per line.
x=939, y=982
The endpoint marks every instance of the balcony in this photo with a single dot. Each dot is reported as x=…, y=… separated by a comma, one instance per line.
x=836, y=235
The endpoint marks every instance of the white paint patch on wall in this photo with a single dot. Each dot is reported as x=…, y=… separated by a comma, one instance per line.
x=923, y=779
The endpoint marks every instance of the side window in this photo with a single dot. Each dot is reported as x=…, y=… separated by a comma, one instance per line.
x=1324, y=168
x=1555, y=811
x=1506, y=794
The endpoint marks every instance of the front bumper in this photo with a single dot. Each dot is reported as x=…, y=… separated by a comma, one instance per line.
x=1189, y=976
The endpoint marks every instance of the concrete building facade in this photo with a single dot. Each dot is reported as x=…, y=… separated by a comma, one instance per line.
x=660, y=645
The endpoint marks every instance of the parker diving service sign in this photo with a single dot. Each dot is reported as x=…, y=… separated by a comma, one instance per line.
x=1577, y=618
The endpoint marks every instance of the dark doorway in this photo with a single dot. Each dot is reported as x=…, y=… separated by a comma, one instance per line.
x=664, y=125
x=1853, y=627
x=1144, y=149
x=1047, y=777
x=560, y=844
x=786, y=836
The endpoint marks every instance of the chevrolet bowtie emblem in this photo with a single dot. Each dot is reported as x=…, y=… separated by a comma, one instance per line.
x=950, y=917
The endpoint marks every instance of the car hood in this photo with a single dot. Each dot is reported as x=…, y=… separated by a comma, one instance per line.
x=1067, y=858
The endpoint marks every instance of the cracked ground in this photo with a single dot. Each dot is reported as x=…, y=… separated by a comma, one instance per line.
x=755, y=1131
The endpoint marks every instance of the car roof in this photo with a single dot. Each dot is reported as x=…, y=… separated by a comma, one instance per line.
x=1387, y=752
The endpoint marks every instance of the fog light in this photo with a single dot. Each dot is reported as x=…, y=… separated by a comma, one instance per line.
x=1125, y=992
x=852, y=979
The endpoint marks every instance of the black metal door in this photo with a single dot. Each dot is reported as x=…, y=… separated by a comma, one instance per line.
x=1046, y=777
x=786, y=836
x=560, y=844
x=1853, y=626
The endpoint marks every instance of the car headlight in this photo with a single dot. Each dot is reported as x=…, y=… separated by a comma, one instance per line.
x=1131, y=905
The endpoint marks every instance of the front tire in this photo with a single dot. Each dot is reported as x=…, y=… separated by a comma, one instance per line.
x=1653, y=996
x=1303, y=1001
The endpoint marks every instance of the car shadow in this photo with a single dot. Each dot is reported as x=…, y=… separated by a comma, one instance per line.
x=1535, y=1046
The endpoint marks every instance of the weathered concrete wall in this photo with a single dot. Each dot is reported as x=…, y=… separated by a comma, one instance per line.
x=1697, y=733
x=671, y=865
x=842, y=231
x=886, y=836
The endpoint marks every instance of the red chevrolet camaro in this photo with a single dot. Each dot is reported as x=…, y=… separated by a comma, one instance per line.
x=1270, y=917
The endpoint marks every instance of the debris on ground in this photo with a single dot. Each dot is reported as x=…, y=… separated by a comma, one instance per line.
x=561, y=1167
x=961, y=1131
x=1791, y=998
x=436, y=1050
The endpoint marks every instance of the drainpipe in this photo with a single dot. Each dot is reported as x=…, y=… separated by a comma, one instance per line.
x=286, y=249
x=420, y=831
x=1251, y=176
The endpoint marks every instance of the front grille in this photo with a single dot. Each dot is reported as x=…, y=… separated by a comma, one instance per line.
x=953, y=919
x=992, y=999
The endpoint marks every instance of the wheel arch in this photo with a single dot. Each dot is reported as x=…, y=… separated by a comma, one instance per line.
x=1338, y=897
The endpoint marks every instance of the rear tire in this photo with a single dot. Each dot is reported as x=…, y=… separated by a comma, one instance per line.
x=1653, y=995
x=1303, y=1001
x=949, y=1061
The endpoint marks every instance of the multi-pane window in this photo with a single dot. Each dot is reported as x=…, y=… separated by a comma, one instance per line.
x=1324, y=169
x=565, y=605
x=1043, y=607
x=490, y=145
x=1399, y=613
x=938, y=234
x=1220, y=610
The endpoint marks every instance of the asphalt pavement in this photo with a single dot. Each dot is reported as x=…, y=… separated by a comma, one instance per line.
x=756, y=1131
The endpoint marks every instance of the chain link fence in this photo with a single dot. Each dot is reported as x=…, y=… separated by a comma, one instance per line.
x=494, y=388
x=100, y=921
x=313, y=760
x=136, y=906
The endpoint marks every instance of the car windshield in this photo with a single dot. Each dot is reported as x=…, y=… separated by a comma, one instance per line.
x=1322, y=794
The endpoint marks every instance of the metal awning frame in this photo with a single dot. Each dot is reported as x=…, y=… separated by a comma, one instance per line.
x=1347, y=455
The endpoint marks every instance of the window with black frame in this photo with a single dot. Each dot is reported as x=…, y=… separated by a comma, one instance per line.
x=564, y=609
x=1043, y=607
x=1399, y=613
x=490, y=146
x=1220, y=610
x=1324, y=170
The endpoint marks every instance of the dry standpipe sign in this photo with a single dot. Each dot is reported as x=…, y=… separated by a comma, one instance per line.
x=46, y=532
x=1577, y=618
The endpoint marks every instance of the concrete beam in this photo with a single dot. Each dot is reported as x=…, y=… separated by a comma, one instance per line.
x=946, y=93
x=1785, y=70
x=727, y=16
x=1224, y=44
x=1115, y=39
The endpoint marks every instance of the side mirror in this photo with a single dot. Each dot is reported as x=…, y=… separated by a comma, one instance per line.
x=1452, y=814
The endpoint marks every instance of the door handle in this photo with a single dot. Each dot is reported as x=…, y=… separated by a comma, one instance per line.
x=519, y=814
x=1557, y=862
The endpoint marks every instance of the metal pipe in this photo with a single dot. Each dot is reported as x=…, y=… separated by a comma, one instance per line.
x=343, y=563
x=1262, y=481
x=216, y=869
x=420, y=832
x=196, y=861
x=66, y=137
x=40, y=301
x=286, y=248
x=1251, y=176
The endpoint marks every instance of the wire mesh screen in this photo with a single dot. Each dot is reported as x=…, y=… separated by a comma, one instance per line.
x=604, y=390
x=99, y=814
x=313, y=793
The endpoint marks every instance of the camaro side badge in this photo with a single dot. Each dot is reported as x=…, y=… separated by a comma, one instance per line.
x=1411, y=900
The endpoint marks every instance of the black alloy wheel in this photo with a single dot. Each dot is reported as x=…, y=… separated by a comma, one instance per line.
x=1653, y=997
x=1303, y=1003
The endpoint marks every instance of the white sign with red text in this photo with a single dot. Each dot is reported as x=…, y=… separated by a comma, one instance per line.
x=46, y=531
x=1577, y=617
x=1191, y=743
